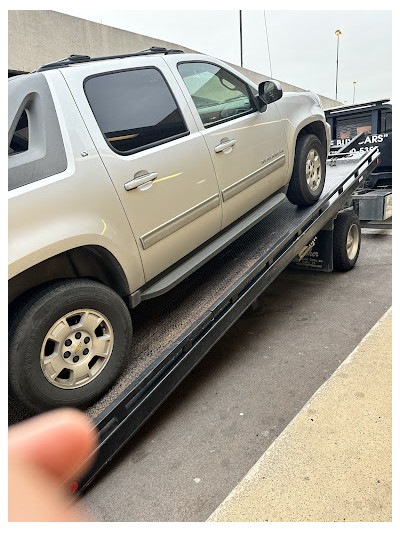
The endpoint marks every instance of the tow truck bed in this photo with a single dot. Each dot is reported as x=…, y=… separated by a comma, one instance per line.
x=175, y=331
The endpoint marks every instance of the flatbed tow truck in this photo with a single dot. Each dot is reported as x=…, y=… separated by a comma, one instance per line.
x=174, y=334
x=359, y=128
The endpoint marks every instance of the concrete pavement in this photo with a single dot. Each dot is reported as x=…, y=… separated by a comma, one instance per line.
x=222, y=418
x=332, y=463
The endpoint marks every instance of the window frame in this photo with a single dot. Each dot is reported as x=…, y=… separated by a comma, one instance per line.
x=20, y=113
x=149, y=145
x=46, y=155
x=228, y=119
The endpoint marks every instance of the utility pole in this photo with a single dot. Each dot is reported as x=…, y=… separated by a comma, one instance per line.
x=241, y=39
x=338, y=33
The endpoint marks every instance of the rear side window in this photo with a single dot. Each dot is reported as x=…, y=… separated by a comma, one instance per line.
x=347, y=128
x=20, y=139
x=134, y=109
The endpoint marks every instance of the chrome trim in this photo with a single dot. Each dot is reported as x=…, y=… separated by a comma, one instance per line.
x=140, y=180
x=178, y=222
x=224, y=145
x=259, y=174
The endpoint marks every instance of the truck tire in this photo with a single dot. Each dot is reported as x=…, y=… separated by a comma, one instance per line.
x=346, y=241
x=67, y=344
x=308, y=177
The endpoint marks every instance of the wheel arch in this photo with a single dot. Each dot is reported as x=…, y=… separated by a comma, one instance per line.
x=315, y=127
x=90, y=261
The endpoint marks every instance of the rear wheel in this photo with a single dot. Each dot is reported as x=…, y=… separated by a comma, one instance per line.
x=68, y=343
x=308, y=177
x=346, y=241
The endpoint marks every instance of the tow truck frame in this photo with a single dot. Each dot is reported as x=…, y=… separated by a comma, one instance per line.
x=123, y=418
x=117, y=424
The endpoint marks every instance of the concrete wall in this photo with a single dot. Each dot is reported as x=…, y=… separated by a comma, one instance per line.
x=37, y=37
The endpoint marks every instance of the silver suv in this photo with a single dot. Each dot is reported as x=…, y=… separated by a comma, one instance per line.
x=125, y=175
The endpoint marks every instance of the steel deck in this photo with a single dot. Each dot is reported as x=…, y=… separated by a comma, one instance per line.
x=175, y=331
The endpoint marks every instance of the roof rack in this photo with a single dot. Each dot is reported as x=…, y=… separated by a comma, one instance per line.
x=75, y=58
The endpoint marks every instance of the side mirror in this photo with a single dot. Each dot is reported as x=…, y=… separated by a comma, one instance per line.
x=268, y=92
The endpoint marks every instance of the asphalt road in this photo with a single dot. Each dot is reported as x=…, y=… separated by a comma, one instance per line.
x=217, y=424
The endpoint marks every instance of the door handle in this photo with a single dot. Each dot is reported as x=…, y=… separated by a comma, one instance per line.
x=225, y=145
x=140, y=178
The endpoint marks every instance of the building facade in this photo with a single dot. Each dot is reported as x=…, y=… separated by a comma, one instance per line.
x=37, y=37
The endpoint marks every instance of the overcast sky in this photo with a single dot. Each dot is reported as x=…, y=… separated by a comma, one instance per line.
x=302, y=43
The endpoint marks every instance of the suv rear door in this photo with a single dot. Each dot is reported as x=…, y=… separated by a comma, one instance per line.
x=155, y=155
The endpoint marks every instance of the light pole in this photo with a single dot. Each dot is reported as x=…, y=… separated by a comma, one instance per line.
x=354, y=91
x=338, y=33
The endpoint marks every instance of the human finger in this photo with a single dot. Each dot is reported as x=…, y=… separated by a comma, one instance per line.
x=60, y=442
x=34, y=495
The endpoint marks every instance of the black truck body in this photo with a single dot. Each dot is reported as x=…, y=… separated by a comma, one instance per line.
x=372, y=121
x=375, y=120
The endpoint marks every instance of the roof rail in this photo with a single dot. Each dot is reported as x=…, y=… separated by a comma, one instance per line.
x=74, y=58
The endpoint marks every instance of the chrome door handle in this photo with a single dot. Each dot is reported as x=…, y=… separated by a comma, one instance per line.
x=140, y=178
x=225, y=145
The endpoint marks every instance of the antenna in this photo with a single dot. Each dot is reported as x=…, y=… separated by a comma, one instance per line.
x=266, y=33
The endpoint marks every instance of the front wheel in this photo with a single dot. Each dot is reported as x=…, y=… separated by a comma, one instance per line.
x=308, y=177
x=67, y=344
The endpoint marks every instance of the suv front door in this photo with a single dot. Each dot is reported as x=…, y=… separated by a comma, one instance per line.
x=248, y=148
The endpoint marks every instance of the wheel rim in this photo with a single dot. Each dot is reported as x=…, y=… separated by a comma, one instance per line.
x=313, y=170
x=353, y=238
x=76, y=348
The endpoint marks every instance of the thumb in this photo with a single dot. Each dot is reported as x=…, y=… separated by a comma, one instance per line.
x=60, y=442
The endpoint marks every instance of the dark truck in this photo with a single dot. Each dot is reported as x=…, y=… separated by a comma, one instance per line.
x=373, y=200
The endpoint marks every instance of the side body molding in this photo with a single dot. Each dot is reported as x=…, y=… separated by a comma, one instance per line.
x=259, y=174
x=159, y=233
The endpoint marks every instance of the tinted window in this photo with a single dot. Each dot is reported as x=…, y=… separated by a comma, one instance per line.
x=20, y=140
x=217, y=94
x=347, y=128
x=386, y=122
x=134, y=109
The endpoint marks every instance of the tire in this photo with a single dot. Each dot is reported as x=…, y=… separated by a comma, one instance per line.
x=308, y=177
x=81, y=317
x=346, y=241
